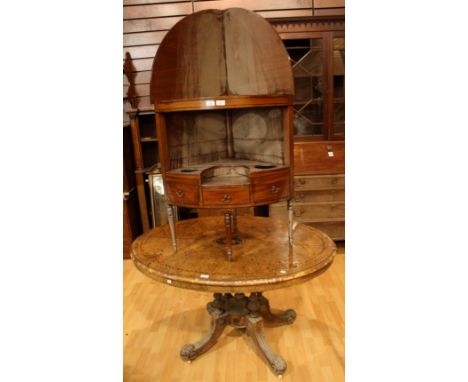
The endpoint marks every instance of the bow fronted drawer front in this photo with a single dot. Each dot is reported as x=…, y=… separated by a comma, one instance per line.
x=271, y=187
x=226, y=196
x=182, y=193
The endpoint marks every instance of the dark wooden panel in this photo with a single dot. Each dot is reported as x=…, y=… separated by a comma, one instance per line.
x=190, y=65
x=146, y=38
x=268, y=70
x=314, y=157
x=147, y=25
x=256, y=5
x=157, y=10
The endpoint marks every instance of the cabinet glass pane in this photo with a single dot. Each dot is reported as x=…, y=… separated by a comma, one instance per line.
x=308, y=120
x=338, y=85
x=307, y=62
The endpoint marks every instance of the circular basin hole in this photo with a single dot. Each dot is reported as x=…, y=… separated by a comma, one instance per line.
x=265, y=165
x=188, y=170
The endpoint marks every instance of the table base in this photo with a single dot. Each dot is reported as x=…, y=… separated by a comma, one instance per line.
x=241, y=312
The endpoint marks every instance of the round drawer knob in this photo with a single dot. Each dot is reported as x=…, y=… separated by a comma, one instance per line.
x=226, y=199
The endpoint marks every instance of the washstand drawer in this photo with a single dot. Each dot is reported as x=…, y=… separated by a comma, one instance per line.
x=226, y=195
x=182, y=193
x=322, y=182
x=271, y=187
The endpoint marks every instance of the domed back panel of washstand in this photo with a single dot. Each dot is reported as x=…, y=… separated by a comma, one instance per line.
x=215, y=53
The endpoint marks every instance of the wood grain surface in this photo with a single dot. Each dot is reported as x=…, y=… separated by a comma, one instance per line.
x=158, y=320
x=239, y=54
x=262, y=261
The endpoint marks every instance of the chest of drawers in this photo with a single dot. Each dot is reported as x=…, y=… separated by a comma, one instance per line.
x=319, y=202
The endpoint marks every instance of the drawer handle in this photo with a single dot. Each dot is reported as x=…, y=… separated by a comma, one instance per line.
x=274, y=189
x=302, y=181
x=180, y=193
x=226, y=199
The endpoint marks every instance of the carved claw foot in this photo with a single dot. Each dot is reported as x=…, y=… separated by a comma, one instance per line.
x=187, y=353
x=255, y=328
x=263, y=309
x=191, y=351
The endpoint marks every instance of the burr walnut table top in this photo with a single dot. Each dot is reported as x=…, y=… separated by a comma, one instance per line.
x=261, y=261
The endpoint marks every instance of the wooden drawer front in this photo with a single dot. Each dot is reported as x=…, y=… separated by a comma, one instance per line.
x=225, y=196
x=319, y=157
x=322, y=182
x=319, y=196
x=319, y=211
x=336, y=230
x=271, y=187
x=184, y=194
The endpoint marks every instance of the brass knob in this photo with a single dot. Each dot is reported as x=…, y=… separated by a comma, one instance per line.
x=274, y=189
x=226, y=198
x=180, y=193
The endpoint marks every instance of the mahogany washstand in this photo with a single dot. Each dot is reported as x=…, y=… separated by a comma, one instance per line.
x=222, y=88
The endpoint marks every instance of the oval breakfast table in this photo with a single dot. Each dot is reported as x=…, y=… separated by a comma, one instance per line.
x=262, y=260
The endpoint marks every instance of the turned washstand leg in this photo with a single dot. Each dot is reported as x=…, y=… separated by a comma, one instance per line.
x=263, y=308
x=170, y=217
x=234, y=223
x=191, y=351
x=290, y=221
x=255, y=330
x=228, y=226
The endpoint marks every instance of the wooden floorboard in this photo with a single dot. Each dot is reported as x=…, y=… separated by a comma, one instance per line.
x=159, y=319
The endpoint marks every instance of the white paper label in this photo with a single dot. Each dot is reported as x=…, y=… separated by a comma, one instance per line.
x=204, y=276
x=330, y=154
x=169, y=281
x=210, y=102
x=221, y=102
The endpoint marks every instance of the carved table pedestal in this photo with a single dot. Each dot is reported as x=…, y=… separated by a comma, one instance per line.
x=262, y=260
